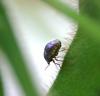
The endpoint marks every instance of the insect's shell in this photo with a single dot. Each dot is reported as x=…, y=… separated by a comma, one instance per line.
x=51, y=50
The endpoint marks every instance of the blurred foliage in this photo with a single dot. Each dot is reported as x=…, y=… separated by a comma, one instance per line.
x=1, y=87
x=91, y=9
x=83, y=19
x=10, y=47
x=80, y=73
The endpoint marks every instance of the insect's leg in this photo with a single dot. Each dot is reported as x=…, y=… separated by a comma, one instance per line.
x=58, y=59
x=58, y=65
x=58, y=56
x=55, y=63
x=63, y=49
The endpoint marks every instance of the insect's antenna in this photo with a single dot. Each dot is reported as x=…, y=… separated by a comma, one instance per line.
x=47, y=67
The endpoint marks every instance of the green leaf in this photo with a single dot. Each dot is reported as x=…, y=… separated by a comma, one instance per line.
x=80, y=73
x=10, y=48
x=1, y=87
x=84, y=20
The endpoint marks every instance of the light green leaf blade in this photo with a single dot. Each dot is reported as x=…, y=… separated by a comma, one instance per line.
x=10, y=48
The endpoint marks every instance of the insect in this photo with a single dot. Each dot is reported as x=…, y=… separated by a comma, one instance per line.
x=51, y=51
